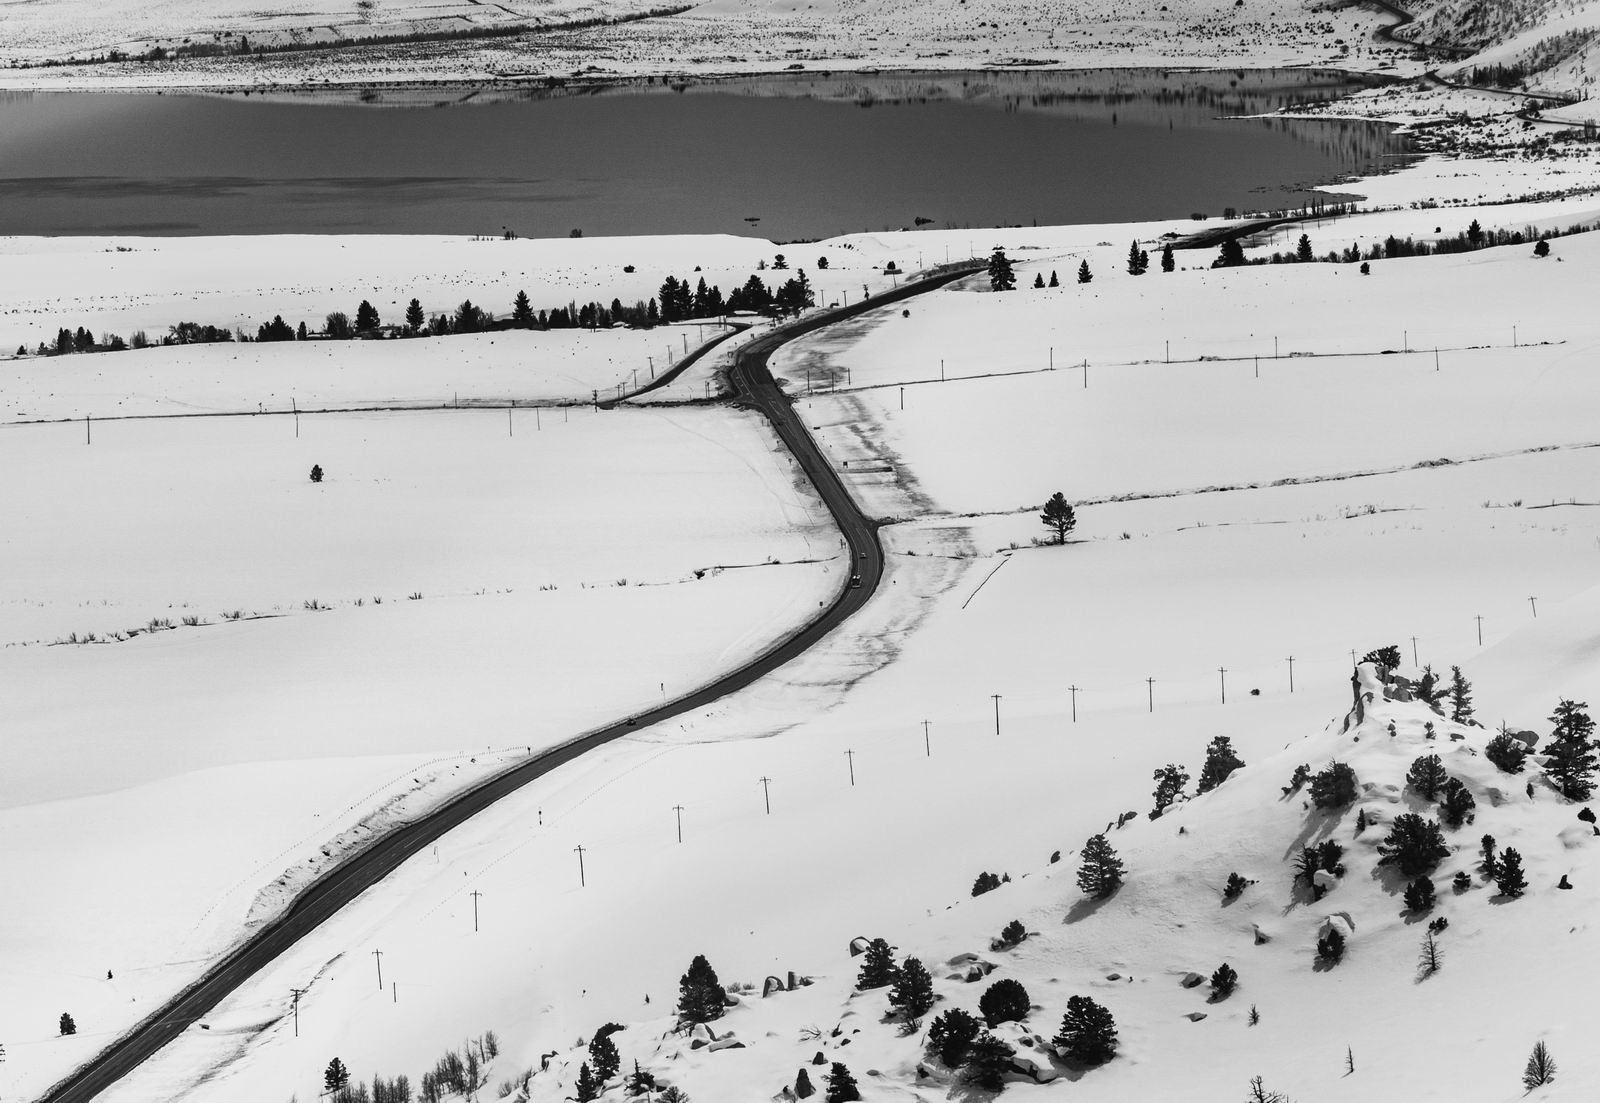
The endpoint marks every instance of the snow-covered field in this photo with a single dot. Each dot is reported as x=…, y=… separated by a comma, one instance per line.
x=1168, y=578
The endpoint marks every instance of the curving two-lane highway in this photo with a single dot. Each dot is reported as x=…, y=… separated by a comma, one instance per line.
x=353, y=876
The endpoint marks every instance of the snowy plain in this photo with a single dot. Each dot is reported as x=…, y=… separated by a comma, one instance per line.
x=1241, y=579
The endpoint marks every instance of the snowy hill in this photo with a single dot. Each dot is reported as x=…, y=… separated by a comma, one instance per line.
x=1324, y=1032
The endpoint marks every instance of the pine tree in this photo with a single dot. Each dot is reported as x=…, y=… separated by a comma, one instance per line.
x=841, y=1084
x=1302, y=249
x=1334, y=787
x=1491, y=864
x=1220, y=762
x=1135, y=267
x=335, y=1076
x=988, y=1061
x=588, y=1086
x=1506, y=753
x=1330, y=947
x=468, y=318
x=1231, y=255
x=1456, y=803
x=986, y=882
x=1542, y=249
x=1001, y=277
x=1429, y=691
x=1088, y=1033
x=1570, y=754
x=1006, y=1000
x=67, y=1025
x=639, y=1082
x=877, y=966
x=1419, y=895
x=316, y=472
x=1430, y=959
x=1038, y=280
x=1414, y=845
x=1427, y=776
x=604, y=1056
x=1054, y=281
x=1460, y=696
x=700, y=992
x=366, y=317
x=1508, y=877
x=1059, y=515
x=1013, y=933
x=1541, y=1067
x=1170, y=780
x=522, y=311
x=415, y=319
x=912, y=993
x=1084, y=275
x=1474, y=234
x=1224, y=981
x=1167, y=263
x=949, y=1035
x=1101, y=871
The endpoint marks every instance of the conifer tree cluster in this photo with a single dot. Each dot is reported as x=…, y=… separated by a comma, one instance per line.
x=1221, y=761
x=1001, y=276
x=1334, y=787
x=1138, y=260
x=1414, y=845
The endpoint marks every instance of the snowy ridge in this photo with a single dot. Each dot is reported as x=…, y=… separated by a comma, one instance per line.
x=1132, y=951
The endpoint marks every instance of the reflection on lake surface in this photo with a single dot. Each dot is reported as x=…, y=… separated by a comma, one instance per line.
x=807, y=155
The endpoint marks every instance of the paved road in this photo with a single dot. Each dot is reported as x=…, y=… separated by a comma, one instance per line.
x=342, y=884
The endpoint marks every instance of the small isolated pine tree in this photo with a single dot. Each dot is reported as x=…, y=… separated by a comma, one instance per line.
x=1570, y=754
x=1542, y=248
x=1101, y=871
x=1508, y=876
x=415, y=319
x=1167, y=263
x=1059, y=516
x=1088, y=1033
x=1462, y=881
x=1054, y=281
x=1456, y=803
x=1038, y=281
x=68, y=1026
x=1001, y=276
x=1013, y=933
x=1414, y=845
x=522, y=311
x=1428, y=689
x=1460, y=696
x=1386, y=659
x=1330, y=947
x=1170, y=780
x=988, y=1061
x=1540, y=1069
x=1334, y=787
x=1224, y=981
x=1234, y=887
x=1302, y=249
x=842, y=1085
x=316, y=472
x=1084, y=275
x=604, y=1056
x=588, y=1086
x=1004, y=1001
x=1220, y=762
x=1135, y=265
x=700, y=992
x=877, y=966
x=1431, y=957
x=1506, y=753
x=1427, y=776
x=1491, y=864
x=335, y=1076
x=366, y=316
x=912, y=994
x=949, y=1035
x=1259, y=1093
x=1419, y=895
x=1254, y=1017
x=986, y=882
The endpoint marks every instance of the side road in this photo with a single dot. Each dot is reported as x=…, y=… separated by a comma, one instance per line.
x=343, y=883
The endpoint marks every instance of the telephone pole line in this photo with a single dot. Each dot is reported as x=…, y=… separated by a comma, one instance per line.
x=582, y=880
x=766, y=793
x=850, y=756
x=1534, y=607
x=1480, y=630
x=678, y=808
x=297, y=992
x=927, y=744
x=378, y=955
x=996, y=697
x=1291, y=673
x=1150, y=690
x=1074, y=691
x=1414, y=660
x=475, y=894
x=1222, y=671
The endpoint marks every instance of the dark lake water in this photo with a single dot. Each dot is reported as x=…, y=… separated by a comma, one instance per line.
x=807, y=155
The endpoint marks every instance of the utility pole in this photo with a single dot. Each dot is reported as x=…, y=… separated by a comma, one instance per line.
x=1291, y=673
x=678, y=808
x=378, y=954
x=1074, y=691
x=1086, y=375
x=88, y=434
x=513, y=406
x=582, y=881
x=394, y=989
x=850, y=756
x=902, y=398
x=1414, y=660
x=1480, y=630
x=767, y=793
x=1150, y=690
x=996, y=697
x=298, y=992
x=927, y=744
x=1223, y=672
x=475, y=895
x=1534, y=607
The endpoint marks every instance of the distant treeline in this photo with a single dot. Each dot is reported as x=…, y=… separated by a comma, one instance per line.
x=1465, y=241
x=676, y=302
